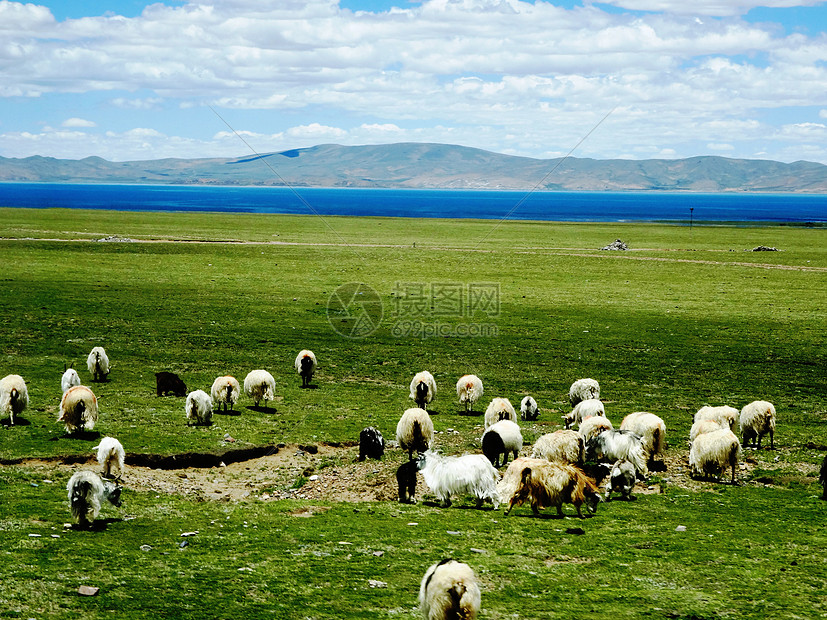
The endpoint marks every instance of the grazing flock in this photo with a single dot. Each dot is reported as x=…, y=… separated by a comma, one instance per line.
x=564, y=467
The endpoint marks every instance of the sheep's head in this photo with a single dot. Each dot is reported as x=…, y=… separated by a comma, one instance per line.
x=421, y=461
x=112, y=492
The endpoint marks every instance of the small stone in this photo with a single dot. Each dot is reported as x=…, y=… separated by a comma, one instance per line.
x=374, y=583
x=183, y=544
x=313, y=478
x=378, y=554
x=452, y=532
x=474, y=550
x=34, y=535
x=680, y=528
x=88, y=590
x=413, y=523
x=145, y=548
x=190, y=533
x=344, y=542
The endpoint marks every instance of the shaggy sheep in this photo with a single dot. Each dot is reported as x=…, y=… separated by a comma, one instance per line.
x=110, y=456
x=305, y=365
x=86, y=493
x=78, y=409
x=583, y=389
x=548, y=484
x=621, y=480
x=583, y=410
x=69, y=379
x=371, y=444
x=528, y=409
x=225, y=392
x=406, y=479
x=449, y=591
x=704, y=426
x=415, y=431
x=503, y=437
x=822, y=477
x=423, y=389
x=98, y=364
x=757, y=419
x=14, y=396
x=564, y=446
x=199, y=407
x=499, y=409
x=469, y=390
x=723, y=414
x=612, y=445
x=169, y=382
x=260, y=385
x=651, y=429
x=470, y=474
x=593, y=426
x=712, y=453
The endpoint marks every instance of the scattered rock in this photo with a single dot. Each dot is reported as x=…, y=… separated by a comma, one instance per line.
x=313, y=478
x=474, y=550
x=115, y=239
x=378, y=554
x=452, y=532
x=183, y=544
x=88, y=590
x=764, y=248
x=617, y=244
x=377, y=584
x=190, y=533
x=680, y=528
x=145, y=548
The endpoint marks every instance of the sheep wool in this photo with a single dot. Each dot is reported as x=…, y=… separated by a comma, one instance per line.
x=499, y=409
x=593, y=426
x=757, y=419
x=563, y=446
x=86, y=493
x=583, y=410
x=111, y=456
x=423, y=389
x=528, y=409
x=371, y=444
x=260, y=385
x=470, y=474
x=14, y=396
x=621, y=480
x=651, y=429
x=547, y=484
x=723, y=414
x=611, y=445
x=415, y=431
x=469, y=390
x=199, y=407
x=502, y=438
x=78, y=409
x=712, y=453
x=449, y=591
x=583, y=389
x=225, y=392
x=305, y=365
x=98, y=364
x=69, y=379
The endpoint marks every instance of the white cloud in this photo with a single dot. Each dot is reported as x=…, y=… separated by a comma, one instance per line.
x=712, y=146
x=707, y=7
x=78, y=123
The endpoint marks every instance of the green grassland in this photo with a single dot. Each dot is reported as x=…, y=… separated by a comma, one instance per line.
x=687, y=317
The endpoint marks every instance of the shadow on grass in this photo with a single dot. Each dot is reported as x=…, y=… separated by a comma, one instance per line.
x=261, y=409
x=99, y=525
x=470, y=414
x=18, y=421
x=229, y=412
x=312, y=386
x=81, y=435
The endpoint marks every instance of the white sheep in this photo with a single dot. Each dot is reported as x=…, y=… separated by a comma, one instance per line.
x=704, y=426
x=503, y=437
x=305, y=365
x=225, y=392
x=528, y=409
x=415, y=431
x=499, y=409
x=98, y=364
x=583, y=389
x=593, y=426
x=547, y=484
x=469, y=390
x=70, y=378
x=712, y=453
x=583, y=410
x=723, y=414
x=260, y=385
x=111, y=455
x=423, y=389
x=757, y=419
x=470, y=474
x=86, y=493
x=564, y=446
x=14, y=396
x=199, y=407
x=651, y=429
x=78, y=409
x=612, y=445
x=449, y=591
x=622, y=479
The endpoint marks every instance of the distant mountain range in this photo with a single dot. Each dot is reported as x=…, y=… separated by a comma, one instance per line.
x=437, y=166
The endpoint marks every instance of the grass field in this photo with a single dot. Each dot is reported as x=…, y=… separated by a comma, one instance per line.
x=687, y=317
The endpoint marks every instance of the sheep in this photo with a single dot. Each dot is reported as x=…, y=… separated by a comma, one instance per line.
x=757, y=419
x=225, y=392
x=199, y=407
x=86, y=493
x=651, y=429
x=406, y=480
x=583, y=389
x=305, y=365
x=371, y=444
x=423, y=389
x=704, y=426
x=14, y=396
x=548, y=484
x=528, y=409
x=719, y=414
x=499, y=409
x=98, y=364
x=611, y=445
x=621, y=480
x=260, y=385
x=78, y=409
x=584, y=410
x=69, y=379
x=593, y=426
x=712, y=453
x=469, y=390
x=169, y=382
x=564, y=446
x=470, y=474
x=503, y=437
x=822, y=478
x=415, y=431
x=110, y=453
x=449, y=591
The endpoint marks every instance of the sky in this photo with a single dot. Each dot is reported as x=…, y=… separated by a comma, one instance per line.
x=633, y=79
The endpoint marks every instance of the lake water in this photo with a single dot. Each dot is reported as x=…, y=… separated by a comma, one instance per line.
x=514, y=205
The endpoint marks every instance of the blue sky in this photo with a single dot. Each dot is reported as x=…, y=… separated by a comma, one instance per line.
x=143, y=80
